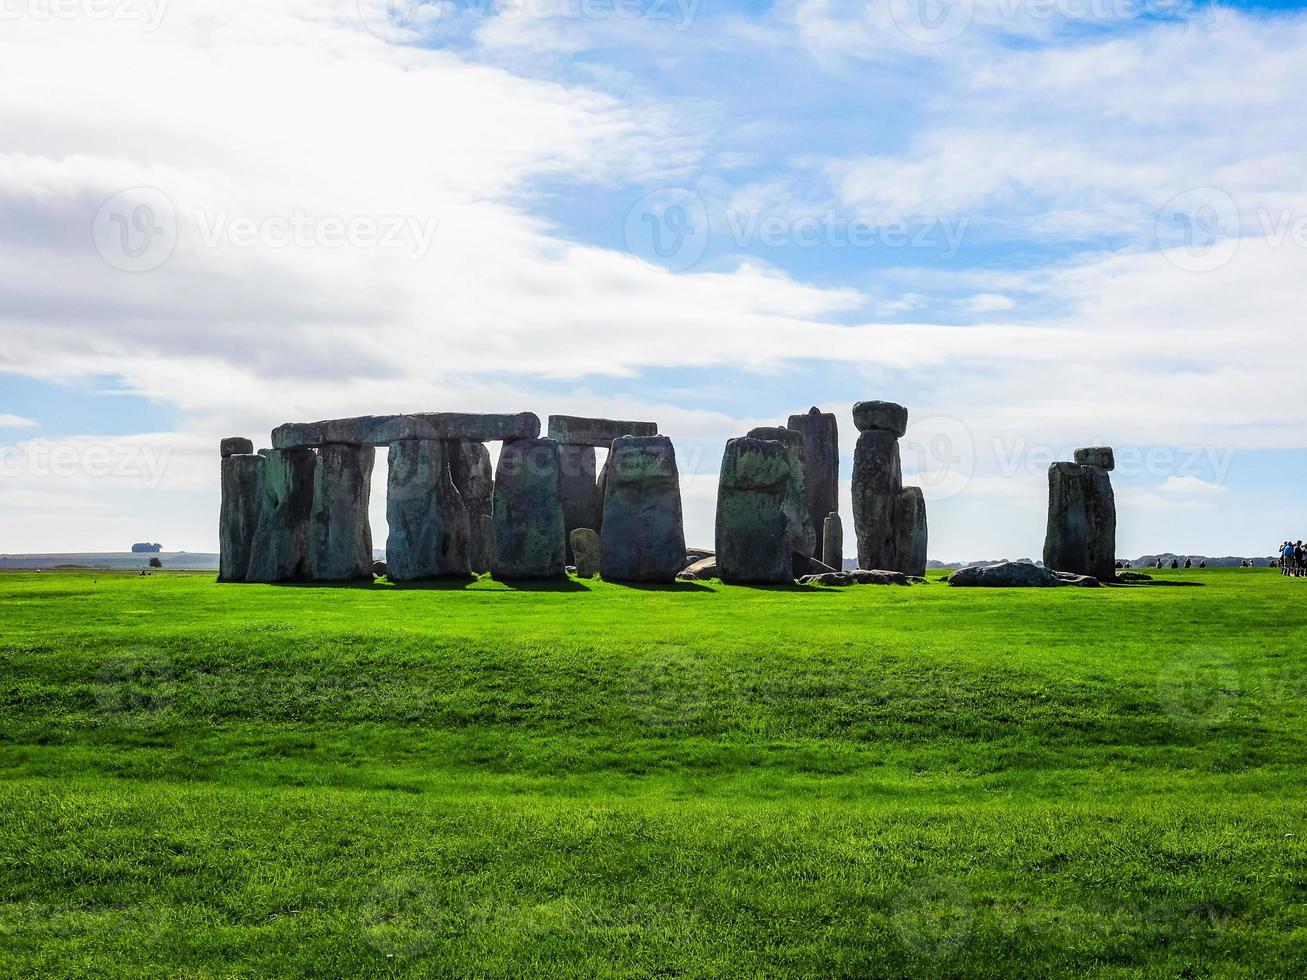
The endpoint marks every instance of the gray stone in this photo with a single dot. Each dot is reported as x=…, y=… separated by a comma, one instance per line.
x=882, y=416
x=696, y=553
x=644, y=535
x=801, y=566
x=877, y=484
x=474, y=477
x=859, y=576
x=235, y=446
x=1081, y=530
x=529, y=536
x=280, y=549
x=430, y=532
x=832, y=541
x=910, y=532
x=573, y=430
x=753, y=534
x=340, y=536
x=239, y=517
x=821, y=462
x=379, y=569
x=588, y=549
x=701, y=570
x=1017, y=574
x=382, y=430
x=803, y=533
x=1100, y=456
x=582, y=505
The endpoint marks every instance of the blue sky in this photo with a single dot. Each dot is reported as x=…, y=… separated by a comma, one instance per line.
x=1039, y=224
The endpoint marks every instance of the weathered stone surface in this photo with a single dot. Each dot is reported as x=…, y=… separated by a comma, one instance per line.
x=644, y=535
x=474, y=477
x=821, y=462
x=235, y=446
x=582, y=504
x=1081, y=531
x=379, y=569
x=239, y=516
x=528, y=529
x=832, y=541
x=803, y=533
x=430, y=532
x=910, y=532
x=858, y=576
x=877, y=483
x=753, y=534
x=340, y=536
x=382, y=430
x=701, y=570
x=573, y=430
x=1100, y=456
x=280, y=549
x=882, y=416
x=588, y=549
x=696, y=553
x=801, y=565
x=1005, y=574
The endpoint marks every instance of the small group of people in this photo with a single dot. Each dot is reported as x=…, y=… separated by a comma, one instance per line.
x=1293, y=558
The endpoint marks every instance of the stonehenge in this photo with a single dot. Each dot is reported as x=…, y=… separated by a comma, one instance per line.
x=753, y=532
x=239, y=517
x=888, y=518
x=279, y=550
x=801, y=531
x=474, y=478
x=430, y=530
x=643, y=537
x=832, y=541
x=340, y=537
x=1081, y=532
x=585, y=545
x=821, y=464
x=529, y=536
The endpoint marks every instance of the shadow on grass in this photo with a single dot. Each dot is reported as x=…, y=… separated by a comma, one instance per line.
x=1153, y=584
x=680, y=585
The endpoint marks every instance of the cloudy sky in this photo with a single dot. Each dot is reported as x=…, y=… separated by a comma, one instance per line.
x=1040, y=224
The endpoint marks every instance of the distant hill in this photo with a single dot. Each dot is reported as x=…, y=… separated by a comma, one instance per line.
x=1143, y=561
x=175, y=560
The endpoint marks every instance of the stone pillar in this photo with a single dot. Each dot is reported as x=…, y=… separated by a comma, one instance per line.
x=588, y=551
x=528, y=526
x=239, y=516
x=340, y=537
x=821, y=462
x=430, y=534
x=1081, y=530
x=802, y=531
x=470, y=469
x=832, y=541
x=752, y=527
x=279, y=551
x=910, y=532
x=582, y=502
x=888, y=519
x=644, y=535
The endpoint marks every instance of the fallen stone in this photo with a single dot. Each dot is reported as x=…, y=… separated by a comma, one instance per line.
x=883, y=416
x=1133, y=577
x=430, y=531
x=239, y=515
x=803, y=533
x=573, y=430
x=1100, y=456
x=832, y=541
x=588, y=549
x=235, y=446
x=528, y=509
x=910, y=532
x=858, y=576
x=340, y=535
x=701, y=570
x=474, y=477
x=644, y=535
x=280, y=549
x=821, y=463
x=801, y=565
x=753, y=533
x=696, y=553
x=382, y=430
x=1015, y=574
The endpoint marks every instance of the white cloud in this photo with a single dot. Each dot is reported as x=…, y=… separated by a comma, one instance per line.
x=1190, y=484
x=16, y=422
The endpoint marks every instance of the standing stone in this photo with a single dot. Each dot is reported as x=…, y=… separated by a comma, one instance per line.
x=802, y=530
x=832, y=541
x=1081, y=530
x=886, y=416
x=877, y=483
x=239, y=517
x=644, y=536
x=473, y=475
x=910, y=532
x=280, y=549
x=430, y=535
x=582, y=503
x=235, y=446
x=528, y=512
x=752, y=527
x=340, y=536
x=588, y=549
x=821, y=462
x=1100, y=516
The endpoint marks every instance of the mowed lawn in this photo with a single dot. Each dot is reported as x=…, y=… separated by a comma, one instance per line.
x=592, y=780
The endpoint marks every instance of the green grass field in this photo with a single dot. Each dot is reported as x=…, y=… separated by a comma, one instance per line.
x=593, y=780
